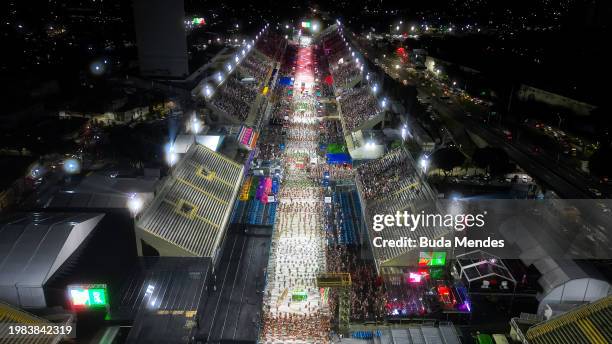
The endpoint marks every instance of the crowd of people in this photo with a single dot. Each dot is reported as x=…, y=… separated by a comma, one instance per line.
x=254, y=66
x=294, y=327
x=297, y=255
x=344, y=72
x=333, y=171
x=385, y=175
x=358, y=105
x=331, y=132
x=235, y=98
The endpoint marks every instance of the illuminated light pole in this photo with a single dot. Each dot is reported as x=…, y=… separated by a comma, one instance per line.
x=135, y=204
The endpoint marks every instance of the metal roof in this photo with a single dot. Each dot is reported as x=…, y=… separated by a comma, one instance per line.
x=193, y=206
x=34, y=245
x=586, y=324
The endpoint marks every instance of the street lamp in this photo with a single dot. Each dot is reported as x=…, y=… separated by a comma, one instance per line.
x=135, y=203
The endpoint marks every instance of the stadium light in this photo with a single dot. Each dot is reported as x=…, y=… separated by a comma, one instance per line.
x=236, y=59
x=424, y=163
x=219, y=77
x=195, y=125
x=383, y=103
x=207, y=91
x=135, y=203
x=315, y=27
x=404, y=132
x=229, y=67
x=171, y=156
x=375, y=88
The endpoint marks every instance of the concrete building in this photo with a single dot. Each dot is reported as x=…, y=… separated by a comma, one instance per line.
x=161, y=40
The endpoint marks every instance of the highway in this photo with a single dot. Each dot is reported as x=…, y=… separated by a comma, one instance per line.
x=565, y=181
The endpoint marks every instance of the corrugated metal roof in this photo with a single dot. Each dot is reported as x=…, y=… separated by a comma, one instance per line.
x=586, y=324
x=195, y=201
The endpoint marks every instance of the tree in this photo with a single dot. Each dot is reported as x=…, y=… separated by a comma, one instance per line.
x=447, y=159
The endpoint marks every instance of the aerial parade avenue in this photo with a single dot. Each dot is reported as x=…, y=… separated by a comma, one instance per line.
x=302, y=172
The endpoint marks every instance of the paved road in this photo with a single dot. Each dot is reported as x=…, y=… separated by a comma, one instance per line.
x=566, y=181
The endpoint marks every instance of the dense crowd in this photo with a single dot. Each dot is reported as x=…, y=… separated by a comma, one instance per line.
x=271, y=45
x=235, y=98
x=331, y=132
x=345, y=72
x=357, y=105
x=385, y=175
x=297, y=254
x=255, y=67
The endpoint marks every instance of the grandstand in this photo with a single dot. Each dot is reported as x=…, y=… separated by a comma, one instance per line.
x=189, y=215
x=358, y=109
x=444, y=333
x=587, y=324
x=389, y=184
x=237, y=84
x=9, y=315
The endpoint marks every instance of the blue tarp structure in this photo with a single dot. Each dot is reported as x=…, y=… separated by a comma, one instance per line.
x=338, y=158
x=285, y=81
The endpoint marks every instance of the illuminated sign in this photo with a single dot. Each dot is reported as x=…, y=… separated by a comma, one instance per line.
x=198, y=21
x=432, y=258
x=305, y=24
x=88, y=295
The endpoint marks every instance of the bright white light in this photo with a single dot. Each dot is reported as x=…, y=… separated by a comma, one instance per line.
x=195, y=125
x=454, y=83
x=219, y=77
x=72, y=166
x=286, y=26
x=171, y=156
x=243, y=52
x=424, y=163
x=397, y=28
x=383, y=104
x=315, y=27
x=229, y=67
x=412, y=28
x=397, y=66
x=375, y=88
x=207, y=91
x=236, y=59
x=450, y=29
x=135, y=203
